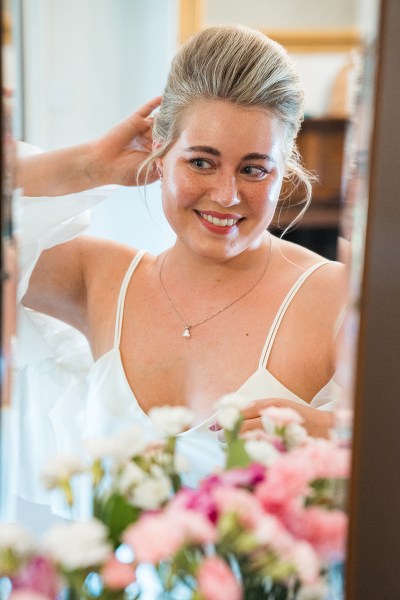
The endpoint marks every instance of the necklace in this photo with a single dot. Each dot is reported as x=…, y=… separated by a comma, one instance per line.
x=188, y=327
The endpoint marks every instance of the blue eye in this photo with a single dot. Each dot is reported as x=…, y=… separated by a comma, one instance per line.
x=200, y=163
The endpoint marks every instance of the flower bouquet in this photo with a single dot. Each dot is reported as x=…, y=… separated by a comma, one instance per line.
x=267, y=526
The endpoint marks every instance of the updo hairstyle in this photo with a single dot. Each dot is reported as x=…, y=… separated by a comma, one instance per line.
x=242, y=66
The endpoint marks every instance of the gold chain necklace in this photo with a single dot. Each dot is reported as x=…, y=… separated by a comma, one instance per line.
x=188, y=327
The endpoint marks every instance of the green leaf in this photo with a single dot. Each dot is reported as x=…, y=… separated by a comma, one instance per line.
x=237, y=455
x=116, y=513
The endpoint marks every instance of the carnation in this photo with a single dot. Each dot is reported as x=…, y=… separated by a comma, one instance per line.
x=61, y=468
x=171, y=420
x=151, y=493
x=16, y=546
x=78, y=545
x=128, y=443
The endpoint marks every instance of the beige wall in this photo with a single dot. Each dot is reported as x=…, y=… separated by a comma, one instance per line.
x=283, y=14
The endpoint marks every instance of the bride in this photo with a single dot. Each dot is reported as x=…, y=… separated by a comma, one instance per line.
x=229, y=308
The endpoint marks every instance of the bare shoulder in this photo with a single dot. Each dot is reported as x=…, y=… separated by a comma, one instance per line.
x=327, y=282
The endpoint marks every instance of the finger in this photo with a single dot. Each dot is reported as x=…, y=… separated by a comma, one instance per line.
x=147, y=109
x=254, y=409
x=251, y=424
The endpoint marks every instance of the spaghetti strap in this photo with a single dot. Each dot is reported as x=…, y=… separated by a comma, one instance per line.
x=121, y=298
x=266, y=351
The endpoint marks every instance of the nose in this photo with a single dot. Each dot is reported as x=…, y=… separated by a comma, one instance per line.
x=225, y=191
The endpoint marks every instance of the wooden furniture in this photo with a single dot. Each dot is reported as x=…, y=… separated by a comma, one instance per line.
x=321, y=144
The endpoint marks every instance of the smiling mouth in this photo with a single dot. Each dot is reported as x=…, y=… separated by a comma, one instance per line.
x=218, y=222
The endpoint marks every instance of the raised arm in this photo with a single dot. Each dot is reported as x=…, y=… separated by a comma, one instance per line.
x=112, y=159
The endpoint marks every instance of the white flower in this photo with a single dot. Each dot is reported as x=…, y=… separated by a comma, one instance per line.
x=228, y=410
x=181, y=463
x=151, y=493
x=227, y=417
x=306, y=561
x=78, y=545
x=314, y=591
x=16, y=545
x=61, y=468
x=126, y=444
x=279, y=416
x=14, y=537
x=129, y=477
x=234, y=400
x=295, y=435
x=171, y=420
x=261, y=451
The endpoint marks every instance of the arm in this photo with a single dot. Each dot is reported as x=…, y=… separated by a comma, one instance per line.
x=112, y=159
x=318, y=423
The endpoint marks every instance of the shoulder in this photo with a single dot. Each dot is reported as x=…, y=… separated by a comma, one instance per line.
x=325, y=280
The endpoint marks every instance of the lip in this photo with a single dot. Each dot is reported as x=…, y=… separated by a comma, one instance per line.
x=219, y=229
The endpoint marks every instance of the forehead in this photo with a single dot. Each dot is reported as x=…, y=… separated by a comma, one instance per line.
x=222, y=124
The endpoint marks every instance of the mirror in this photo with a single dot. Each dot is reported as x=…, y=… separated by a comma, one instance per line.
x=75, y=83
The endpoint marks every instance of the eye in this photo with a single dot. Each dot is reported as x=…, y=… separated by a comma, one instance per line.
x=255, y=171
x=201, y=163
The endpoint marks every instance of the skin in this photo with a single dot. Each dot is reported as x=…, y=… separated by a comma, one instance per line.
x=228, y=163
x=112, y=159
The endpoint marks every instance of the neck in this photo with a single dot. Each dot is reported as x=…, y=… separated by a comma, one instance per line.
x=205, y=267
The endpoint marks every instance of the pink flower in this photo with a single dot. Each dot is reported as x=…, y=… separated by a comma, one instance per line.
x=327, y=459
x=243, y=503
x=325, y=530
x=200, y=500
x=244, y=477
x=40, y=576
x=215, y=578
x=288, y=477
x=156, y=537
x=281, y=416
x=27, y=594
x=117, y=575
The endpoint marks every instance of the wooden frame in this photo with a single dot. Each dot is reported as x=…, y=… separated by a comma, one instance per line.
x=372, y=566
x=192, y=18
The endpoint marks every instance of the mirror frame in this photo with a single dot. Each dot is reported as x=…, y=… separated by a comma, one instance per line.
x=373, y=551
x=192, y=18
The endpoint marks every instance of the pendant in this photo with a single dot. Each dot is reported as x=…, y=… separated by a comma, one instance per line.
x=186, y=333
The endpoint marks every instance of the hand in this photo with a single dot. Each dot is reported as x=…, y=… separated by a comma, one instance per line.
x=317, y=422
x=119, y=153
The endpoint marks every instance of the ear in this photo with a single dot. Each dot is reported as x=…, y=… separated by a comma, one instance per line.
x=158, y=161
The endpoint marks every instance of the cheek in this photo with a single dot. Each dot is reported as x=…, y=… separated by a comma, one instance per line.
x=180, y=190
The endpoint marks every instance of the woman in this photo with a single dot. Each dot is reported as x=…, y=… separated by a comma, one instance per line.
x=229, y=308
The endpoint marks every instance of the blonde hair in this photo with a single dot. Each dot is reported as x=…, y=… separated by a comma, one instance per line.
x=242, y=66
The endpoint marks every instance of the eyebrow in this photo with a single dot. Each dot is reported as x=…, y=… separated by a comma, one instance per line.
x=214, y=152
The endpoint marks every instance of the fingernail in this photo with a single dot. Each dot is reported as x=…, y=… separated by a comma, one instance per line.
x=214, y=427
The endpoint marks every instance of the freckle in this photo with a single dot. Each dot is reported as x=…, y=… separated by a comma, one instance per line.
x=247, y=334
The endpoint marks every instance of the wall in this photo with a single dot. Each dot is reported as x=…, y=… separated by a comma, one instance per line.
x=87, y=65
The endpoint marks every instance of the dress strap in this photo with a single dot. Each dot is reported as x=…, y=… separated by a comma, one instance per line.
x=121, y=298
x=282, y=310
